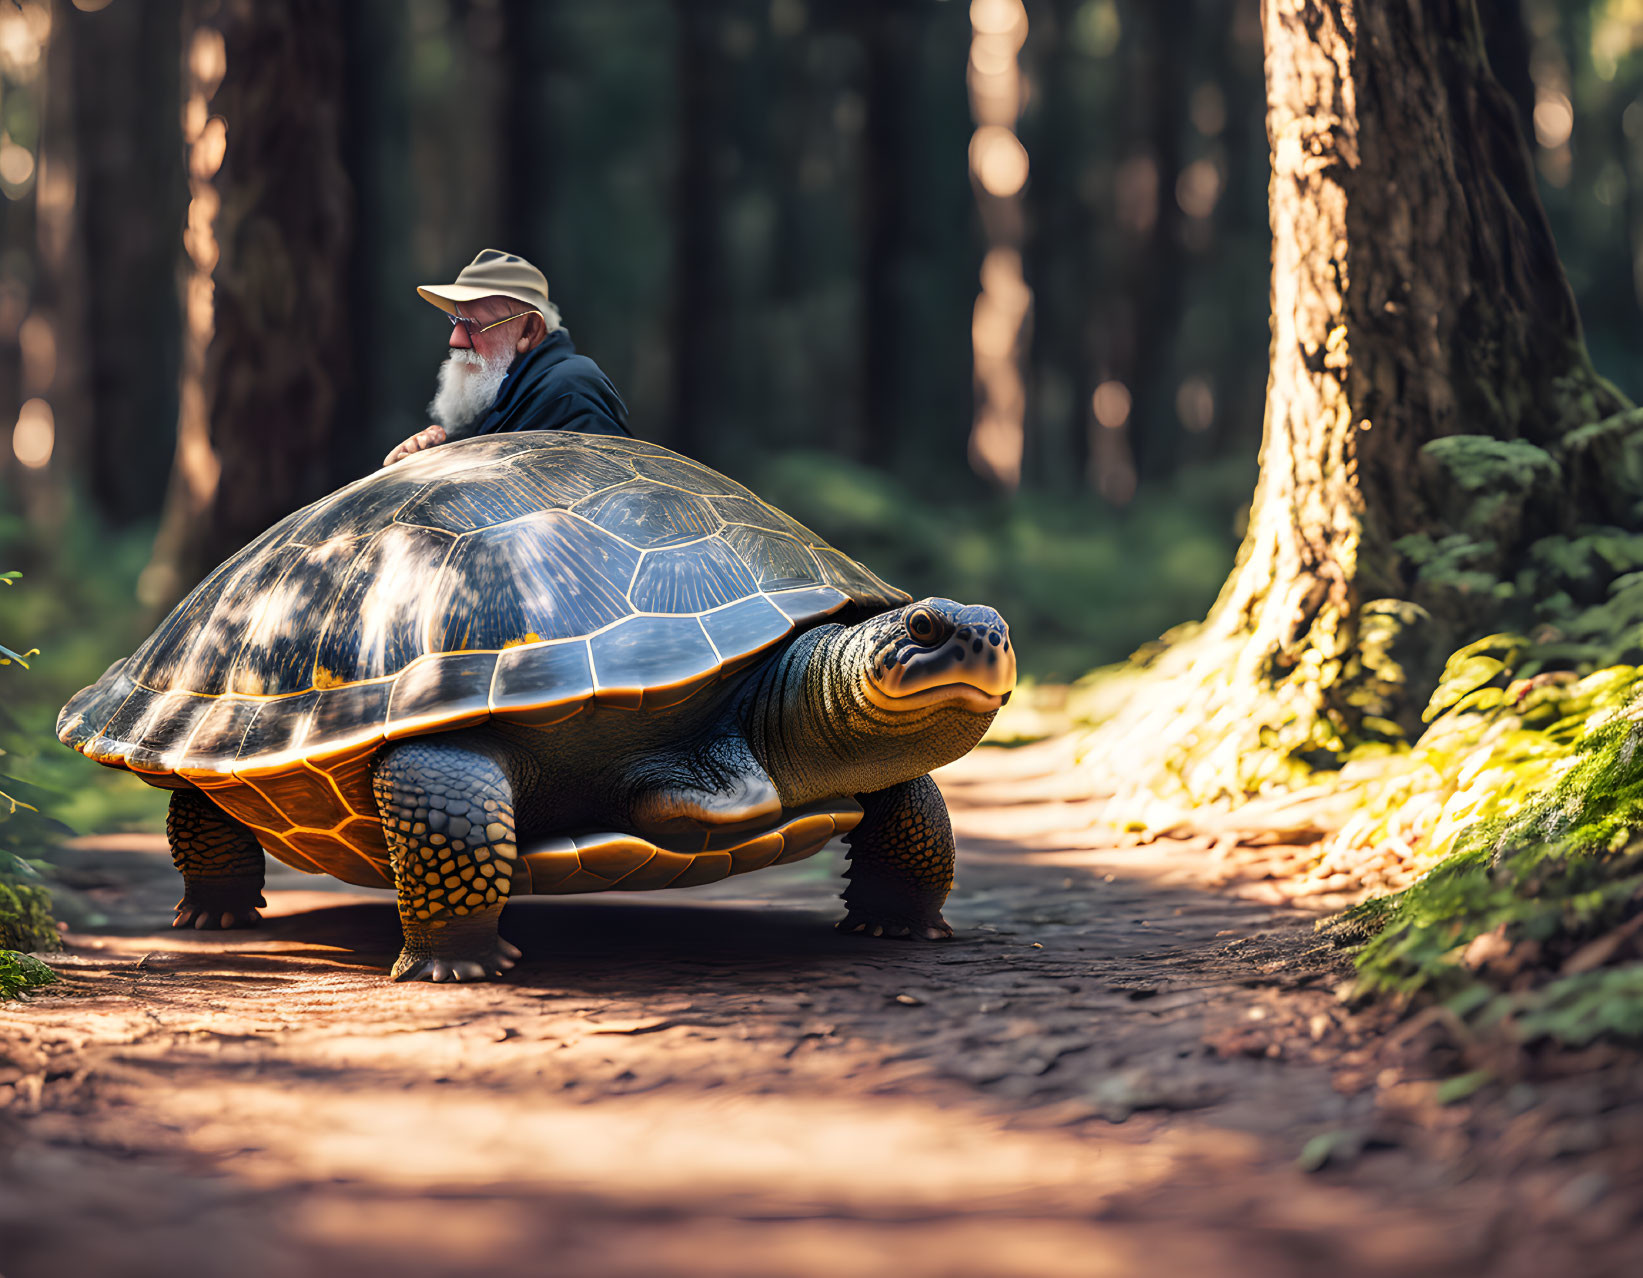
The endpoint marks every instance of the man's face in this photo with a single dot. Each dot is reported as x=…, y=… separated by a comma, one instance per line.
x=498, y=346
x=477, y=362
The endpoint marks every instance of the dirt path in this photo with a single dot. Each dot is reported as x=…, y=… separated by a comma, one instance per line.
x=1113, y=1070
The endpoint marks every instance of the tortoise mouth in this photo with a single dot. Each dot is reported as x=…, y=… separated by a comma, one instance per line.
x=964, y=696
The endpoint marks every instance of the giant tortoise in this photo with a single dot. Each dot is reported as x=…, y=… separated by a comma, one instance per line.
x=548, y=662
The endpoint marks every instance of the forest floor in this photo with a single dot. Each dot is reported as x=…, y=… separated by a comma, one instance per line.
x=1132, y=1059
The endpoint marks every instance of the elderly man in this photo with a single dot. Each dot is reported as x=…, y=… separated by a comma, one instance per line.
x=512, y=365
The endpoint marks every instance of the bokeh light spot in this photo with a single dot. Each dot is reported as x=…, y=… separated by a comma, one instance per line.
x=35, y=434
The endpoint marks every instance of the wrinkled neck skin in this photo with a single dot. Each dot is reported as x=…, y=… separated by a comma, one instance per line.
x=813, y=729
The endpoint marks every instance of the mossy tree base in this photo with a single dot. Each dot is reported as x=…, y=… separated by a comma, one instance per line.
x=1439, y=462
x=1217, y=715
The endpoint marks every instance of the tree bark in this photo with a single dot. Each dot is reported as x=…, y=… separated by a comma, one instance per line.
x=265, y=296
x=1509, y=45
x=1154, y=278
x=1416, y=296
x=131, y=198
x=698, y=263
x=889, y=42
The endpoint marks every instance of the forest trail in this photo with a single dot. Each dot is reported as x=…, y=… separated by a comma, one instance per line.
x=1118, y=1067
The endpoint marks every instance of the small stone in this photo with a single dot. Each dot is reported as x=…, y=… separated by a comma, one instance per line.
x=909, y=1000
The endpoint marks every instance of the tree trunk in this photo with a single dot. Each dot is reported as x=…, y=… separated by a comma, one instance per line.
x=1154, y=278
x=1509, y=45
x=1427, y=367
x=265, y=322
x=698, y=265
x=130, y=204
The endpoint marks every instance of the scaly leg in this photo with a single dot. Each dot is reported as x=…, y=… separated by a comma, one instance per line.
x=901, y=863
x=447, y=809
x=221, y=863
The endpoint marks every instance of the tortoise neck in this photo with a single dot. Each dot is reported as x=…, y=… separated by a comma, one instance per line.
x=814, y=731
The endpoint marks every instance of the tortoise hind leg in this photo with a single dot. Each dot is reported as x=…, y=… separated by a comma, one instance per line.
x=447, y=810
x=901, y=863
x=221, y=863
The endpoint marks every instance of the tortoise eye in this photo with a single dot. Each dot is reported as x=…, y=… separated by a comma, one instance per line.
x=923, y=625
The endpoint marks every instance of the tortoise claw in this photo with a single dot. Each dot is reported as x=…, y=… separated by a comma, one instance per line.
x=442, y=969
x=205, y=918
x=875, y=924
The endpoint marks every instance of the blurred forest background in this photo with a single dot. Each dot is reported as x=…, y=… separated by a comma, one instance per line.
x=978, y=290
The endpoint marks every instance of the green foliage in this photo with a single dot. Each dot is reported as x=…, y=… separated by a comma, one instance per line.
x=25, y=905
x=81, y=608
x=1538, y=851
x=20, y=973
x=1580, y=1008
x=1079, y=581
x=25, y=908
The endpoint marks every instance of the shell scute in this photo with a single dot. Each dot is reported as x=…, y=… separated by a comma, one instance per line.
x=654, y=661
x=776, y=560
x=278, y=733
x=506, y=492
x=163, y=736
x=444, y=690
x=691, y=579
x=646, y=514
x=686, y=475
x=378, y=619
x=215, y=746
x=746, y=628
x=552, y=575
x=542, y=684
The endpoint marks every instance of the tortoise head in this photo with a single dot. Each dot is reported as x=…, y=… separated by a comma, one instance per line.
x=938, y=653
x=865, y=706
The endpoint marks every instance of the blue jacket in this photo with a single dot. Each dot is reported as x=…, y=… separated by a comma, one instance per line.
x=551, y=387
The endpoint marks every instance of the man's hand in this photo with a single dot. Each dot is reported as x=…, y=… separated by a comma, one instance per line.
x=416, y=443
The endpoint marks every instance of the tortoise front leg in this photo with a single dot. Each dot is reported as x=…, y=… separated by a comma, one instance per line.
x=447, y=809
x=901, y=863
x=221, y=863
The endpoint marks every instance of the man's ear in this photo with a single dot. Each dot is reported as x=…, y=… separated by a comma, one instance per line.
x=535, y=331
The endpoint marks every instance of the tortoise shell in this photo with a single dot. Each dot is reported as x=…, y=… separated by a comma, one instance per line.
x=519, y=577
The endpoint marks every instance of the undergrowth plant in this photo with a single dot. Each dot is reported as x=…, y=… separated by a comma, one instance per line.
x=26, y=922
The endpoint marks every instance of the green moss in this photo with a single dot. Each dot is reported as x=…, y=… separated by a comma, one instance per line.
x=20, y=973
x=1491, y=486
x=1539, y=851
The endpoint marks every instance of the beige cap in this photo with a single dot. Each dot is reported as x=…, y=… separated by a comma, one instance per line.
x=493, y=273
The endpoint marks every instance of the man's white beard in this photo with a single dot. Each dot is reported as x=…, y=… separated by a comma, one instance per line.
x=467, y=388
